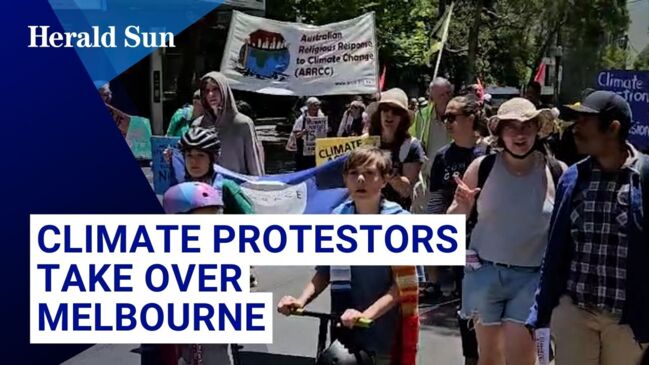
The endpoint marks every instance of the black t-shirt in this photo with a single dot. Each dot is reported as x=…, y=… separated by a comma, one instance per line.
x=415, y=153
x=450, y=161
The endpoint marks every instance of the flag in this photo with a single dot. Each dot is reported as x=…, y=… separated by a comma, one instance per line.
x=439, y=34
x=382, y=79
x=314, y=191
x=540, y=74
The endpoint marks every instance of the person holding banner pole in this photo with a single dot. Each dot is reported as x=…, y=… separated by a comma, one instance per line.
x=391, y=123
x=241, y=151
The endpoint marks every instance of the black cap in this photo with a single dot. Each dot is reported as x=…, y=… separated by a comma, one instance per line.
x=600, y=103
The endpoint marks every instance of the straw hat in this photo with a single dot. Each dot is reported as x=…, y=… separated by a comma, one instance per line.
x=523, y=110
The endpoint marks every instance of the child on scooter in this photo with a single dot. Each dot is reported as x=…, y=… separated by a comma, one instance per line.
x=367, y=291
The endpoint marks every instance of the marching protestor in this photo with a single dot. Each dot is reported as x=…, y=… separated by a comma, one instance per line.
x=463, y=118
x=196, y=198
x=353, y=121
x=422, y=103
x=303, y=159
x=430, y=130
x=477, y=90
x=240, y=147
x=246, y=109
x=594, y=288
x=391, y=123
x=533, y=94
x=428, y=126
x=385, y=294
x=563, y=142
x=412, y=105
x=510, y=219
x=182, y=119
x=372, y=107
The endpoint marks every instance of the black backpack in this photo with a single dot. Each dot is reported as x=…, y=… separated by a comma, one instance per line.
x=486, y=165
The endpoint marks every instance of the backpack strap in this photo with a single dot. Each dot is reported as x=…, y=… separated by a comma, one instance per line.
x=405, y=149
x=555, y=169
x=486, y=165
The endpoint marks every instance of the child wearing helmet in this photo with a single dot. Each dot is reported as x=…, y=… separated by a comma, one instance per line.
x=192, y=198
x=200, y=148
x=196, y=198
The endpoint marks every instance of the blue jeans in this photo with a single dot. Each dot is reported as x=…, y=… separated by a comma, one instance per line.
x=493, y=294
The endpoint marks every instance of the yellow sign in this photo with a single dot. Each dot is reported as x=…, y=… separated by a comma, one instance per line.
x=327, y=149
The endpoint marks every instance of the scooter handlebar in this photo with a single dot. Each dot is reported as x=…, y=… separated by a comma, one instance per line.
x=361, y=323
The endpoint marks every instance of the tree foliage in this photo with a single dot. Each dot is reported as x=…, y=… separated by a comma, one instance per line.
x=642, y=61
x=513, y=35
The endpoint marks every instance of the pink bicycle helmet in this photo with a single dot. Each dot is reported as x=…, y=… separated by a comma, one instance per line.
x=185, y=197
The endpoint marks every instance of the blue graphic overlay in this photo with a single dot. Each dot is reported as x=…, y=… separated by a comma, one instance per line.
x=62, y=153
x=121, y=32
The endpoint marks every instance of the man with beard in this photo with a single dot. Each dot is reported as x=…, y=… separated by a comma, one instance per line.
x=593, y=291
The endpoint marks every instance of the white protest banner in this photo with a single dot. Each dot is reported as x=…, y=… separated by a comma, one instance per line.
x=282, y=58
x=316, y=127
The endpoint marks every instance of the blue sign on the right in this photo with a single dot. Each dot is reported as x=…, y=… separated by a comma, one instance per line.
x=634, y=87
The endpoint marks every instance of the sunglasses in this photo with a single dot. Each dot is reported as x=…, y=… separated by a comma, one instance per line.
x=394, y=110
x=450, y=117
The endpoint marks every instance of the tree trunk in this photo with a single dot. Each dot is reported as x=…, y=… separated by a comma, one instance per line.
x=474, y=33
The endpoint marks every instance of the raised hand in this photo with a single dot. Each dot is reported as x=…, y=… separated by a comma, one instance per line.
x=464, y=195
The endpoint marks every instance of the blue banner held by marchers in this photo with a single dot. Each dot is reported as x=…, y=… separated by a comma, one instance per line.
x=634, y=87
x=314, y=191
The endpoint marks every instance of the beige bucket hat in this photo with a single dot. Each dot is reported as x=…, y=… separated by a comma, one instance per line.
x=523, y=110
x=396, y=98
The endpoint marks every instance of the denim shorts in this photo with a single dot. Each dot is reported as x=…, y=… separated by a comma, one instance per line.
x=493, y=293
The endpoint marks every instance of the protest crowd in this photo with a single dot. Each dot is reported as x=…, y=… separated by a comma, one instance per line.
x=557, y=219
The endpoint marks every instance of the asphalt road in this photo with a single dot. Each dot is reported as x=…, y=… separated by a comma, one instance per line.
x=295, y=338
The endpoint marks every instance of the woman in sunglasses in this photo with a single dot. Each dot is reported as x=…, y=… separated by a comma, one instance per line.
x=391, y=123
x=463, y=119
